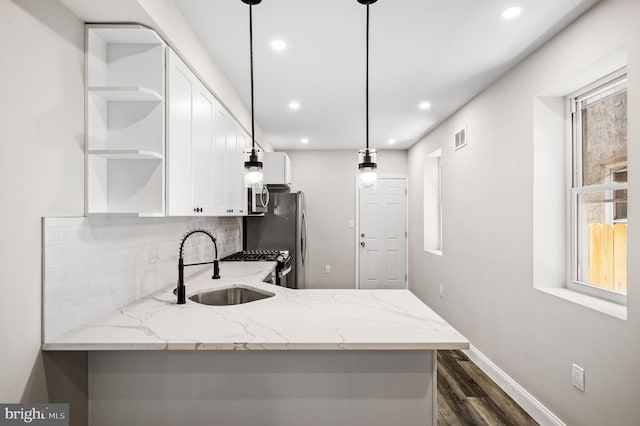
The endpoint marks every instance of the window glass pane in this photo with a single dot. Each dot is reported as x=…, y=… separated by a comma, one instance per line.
x=602, y=242
x=604, y=136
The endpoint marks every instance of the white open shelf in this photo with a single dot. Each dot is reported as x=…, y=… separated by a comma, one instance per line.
x=125, y=186
x=98, y=214
x=126, y=34
x=126, y=154
x=135, y=93
x=125, y=121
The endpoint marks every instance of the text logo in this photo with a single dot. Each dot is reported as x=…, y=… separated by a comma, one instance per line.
x=34, y=414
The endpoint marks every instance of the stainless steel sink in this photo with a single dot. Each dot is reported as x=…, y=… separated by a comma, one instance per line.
x=230, y=296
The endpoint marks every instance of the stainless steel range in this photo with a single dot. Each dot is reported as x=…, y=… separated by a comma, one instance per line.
x=283, y=268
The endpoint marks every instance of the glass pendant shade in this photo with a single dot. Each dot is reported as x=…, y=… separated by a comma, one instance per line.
x=367, y=165
x=253, y=176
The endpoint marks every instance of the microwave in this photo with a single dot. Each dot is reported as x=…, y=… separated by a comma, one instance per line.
x=258, y=200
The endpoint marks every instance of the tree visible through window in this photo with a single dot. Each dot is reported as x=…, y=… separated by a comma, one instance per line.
x=599, y=192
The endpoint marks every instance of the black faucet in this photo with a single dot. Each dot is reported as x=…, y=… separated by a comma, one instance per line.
x=181, y=290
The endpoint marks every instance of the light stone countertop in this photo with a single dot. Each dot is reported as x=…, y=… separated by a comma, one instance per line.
x=290, y=320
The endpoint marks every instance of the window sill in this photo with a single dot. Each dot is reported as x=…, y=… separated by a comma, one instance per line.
x=438, y=252
x=594, y=303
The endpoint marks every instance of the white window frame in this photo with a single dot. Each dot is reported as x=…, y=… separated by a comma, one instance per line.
x=577, y=188
x=610, y=210
x=432, y=218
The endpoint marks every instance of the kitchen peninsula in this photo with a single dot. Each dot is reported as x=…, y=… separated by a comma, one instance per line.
x=325, y=356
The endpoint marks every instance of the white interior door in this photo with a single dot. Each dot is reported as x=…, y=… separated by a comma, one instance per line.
x=383, y=235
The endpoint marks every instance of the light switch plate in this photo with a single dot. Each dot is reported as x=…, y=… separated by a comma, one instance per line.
x=577, y=375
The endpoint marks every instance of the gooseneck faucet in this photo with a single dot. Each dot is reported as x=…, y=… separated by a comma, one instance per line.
x=181, y=290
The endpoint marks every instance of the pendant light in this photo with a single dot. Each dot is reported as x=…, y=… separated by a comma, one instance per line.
x=367, y=157
x=253, y=176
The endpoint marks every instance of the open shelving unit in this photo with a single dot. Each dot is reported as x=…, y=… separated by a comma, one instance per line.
x=125, y=137
x=125, y=93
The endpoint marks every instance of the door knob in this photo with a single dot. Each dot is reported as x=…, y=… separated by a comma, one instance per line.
x=362, y=243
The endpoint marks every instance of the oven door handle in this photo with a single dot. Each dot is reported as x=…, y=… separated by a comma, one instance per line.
x=285, y=272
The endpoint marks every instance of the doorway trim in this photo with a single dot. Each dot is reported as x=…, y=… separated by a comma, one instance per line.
x=357, y=226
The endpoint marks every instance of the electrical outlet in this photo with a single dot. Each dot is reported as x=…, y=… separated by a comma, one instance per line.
x=351, y=224
x=577, y=376
x=441, y=291
x=327, y=269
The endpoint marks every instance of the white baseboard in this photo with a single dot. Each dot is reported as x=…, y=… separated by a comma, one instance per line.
x=524, y=399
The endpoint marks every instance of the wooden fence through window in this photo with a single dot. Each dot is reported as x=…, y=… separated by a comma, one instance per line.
x=608, y=255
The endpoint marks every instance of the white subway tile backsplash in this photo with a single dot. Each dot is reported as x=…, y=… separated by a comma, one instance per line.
x=97, y=264
x=53, y=236
x=54, y=255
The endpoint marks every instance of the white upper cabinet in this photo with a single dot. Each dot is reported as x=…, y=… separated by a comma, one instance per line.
x=204, y=114
x=204, y=149
x=190, y=144
x=277, y=170
x=125, y=120
x=229, y=191
x=126, y=152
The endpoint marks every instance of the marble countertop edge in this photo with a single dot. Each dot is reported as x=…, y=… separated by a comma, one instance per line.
x=190, y=346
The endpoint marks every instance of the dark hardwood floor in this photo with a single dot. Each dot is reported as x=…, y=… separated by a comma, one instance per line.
x=467, y=397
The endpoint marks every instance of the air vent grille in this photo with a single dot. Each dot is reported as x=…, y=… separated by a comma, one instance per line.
x=460, y=139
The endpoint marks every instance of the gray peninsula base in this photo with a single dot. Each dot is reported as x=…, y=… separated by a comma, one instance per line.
x=262, y=388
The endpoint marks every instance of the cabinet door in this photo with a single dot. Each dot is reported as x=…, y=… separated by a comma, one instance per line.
x=243, y=143
x=179, y=142
x=203, y=144
x=287, y=170
x=233, y=167
x=230, y=140
x=219, y=167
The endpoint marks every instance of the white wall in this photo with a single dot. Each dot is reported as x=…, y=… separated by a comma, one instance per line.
x=487, y=266
x=41, y=170
x=328, y=180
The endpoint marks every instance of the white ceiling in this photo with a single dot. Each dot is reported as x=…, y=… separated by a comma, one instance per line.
x=441, y=51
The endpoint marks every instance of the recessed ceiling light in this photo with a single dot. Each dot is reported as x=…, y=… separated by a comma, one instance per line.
x=424, y=105
x=304, y=140
x=278, y=45
x=294, y=105
x=512, y=12
x=392, y=141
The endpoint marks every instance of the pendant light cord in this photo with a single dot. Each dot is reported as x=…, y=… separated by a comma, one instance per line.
x=253, y=134
x=367, y=80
